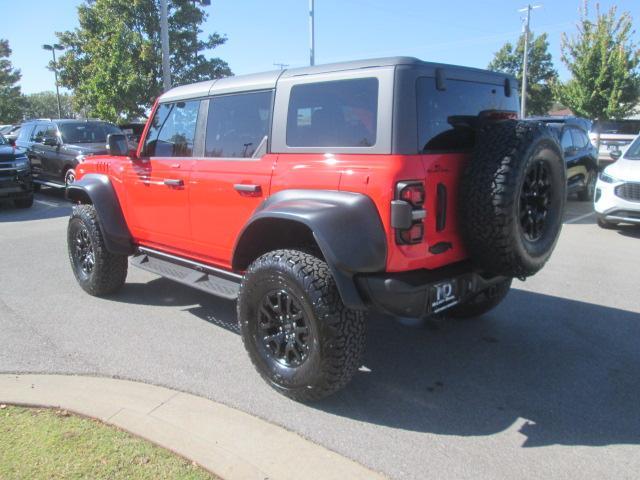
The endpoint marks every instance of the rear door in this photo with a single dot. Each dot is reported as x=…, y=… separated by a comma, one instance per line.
x=232, y=177
x=35, y=150
x=157, y=183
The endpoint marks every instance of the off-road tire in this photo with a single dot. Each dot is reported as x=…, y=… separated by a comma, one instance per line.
x=484, y=301
x=336, y=337
x=602, y=223
x=492, y=190
x=24, y=202
x=586, y=194
x=109, y=271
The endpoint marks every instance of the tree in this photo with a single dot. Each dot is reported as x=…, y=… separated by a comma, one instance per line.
x=540, y=74
x=603, y=61
x=10, y=97
x=45, y=105
x=113, y=60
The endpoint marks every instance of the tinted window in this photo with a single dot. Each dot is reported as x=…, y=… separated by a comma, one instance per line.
x=580, y=140
x=445, y=117
x=39, y=132
x=86, y=132
x=172, y=130
x=342, y=113
x=237, y=124
x=567, y=140
x=633, y=152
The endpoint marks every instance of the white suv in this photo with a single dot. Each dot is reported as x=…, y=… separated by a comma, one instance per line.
x=617, y=196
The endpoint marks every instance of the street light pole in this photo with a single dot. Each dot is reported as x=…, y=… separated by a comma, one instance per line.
x=53, y=49
x=164, y=39
x=312, y=37
x=525, y=61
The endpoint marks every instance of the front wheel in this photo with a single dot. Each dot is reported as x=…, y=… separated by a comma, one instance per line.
x=484, y=301
x=69, y=177
x=97, y=271
x=301, y=338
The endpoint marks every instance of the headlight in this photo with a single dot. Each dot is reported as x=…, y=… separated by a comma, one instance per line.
x=80, y=158
x=608, y=178
x=21, y=163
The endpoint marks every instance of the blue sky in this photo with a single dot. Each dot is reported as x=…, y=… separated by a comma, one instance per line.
x=261, y=33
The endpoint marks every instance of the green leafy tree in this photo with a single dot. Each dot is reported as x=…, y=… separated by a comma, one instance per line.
x=45, y=105
x=113, y=60
x=603, y=61
x=10, y=98
x=540, y=74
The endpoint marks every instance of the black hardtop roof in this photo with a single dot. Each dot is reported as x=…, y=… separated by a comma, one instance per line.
x=268, y=80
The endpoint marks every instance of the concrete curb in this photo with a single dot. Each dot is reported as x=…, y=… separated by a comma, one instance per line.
x=225, y=441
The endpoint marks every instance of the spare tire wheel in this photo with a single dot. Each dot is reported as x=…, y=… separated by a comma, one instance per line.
x=512, y=197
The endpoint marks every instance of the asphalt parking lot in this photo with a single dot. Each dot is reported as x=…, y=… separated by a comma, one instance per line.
x=546, y=386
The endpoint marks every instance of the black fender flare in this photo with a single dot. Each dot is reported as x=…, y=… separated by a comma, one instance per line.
x=97, y=190
x=345, y=225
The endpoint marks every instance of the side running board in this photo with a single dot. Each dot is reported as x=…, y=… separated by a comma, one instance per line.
x=197, y=275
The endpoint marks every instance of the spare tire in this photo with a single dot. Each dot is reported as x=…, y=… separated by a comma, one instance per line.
x=512, y=197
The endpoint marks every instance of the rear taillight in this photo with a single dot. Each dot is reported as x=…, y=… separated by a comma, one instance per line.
x=407, y=212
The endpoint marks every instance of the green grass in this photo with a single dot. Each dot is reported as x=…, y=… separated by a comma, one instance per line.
x=52, y=444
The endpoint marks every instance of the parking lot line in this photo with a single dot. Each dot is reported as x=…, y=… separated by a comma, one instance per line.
x=581, y=217
x=49, y=204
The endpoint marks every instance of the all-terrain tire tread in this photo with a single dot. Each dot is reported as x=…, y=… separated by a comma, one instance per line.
x=342, y=351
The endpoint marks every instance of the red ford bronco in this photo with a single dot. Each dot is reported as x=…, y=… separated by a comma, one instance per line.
x=314, y=195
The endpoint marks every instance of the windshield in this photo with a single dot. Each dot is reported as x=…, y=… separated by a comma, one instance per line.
x=86, y=132
x=633, y=152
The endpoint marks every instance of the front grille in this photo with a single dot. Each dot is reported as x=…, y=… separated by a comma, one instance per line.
x=629, y=191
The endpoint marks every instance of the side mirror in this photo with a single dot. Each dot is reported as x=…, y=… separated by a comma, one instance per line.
x=117, y=145
x=615, y=154
x=51, y=141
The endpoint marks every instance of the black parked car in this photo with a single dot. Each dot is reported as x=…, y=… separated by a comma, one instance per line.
x=15, y=175
x=580, y=155
x=56, y=147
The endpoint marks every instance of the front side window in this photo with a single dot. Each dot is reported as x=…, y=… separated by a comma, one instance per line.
x=39, y=132
x=342, y=113
x=580, y=140
x=172, y=130
x=237, y=124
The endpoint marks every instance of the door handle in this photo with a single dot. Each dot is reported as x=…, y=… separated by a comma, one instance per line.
x=173, y=182
x=248, y=188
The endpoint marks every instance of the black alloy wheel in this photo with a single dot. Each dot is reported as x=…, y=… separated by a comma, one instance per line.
x=84, y=257
x=535, y=199
x=284, y=328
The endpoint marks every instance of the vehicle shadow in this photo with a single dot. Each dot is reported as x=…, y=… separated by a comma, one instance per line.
x=629, y=231
x=567, y=369
x=50, y=203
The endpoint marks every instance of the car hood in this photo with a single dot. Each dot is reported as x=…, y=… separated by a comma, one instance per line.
x=8, y=152
x=87, y=148
x=626, y=170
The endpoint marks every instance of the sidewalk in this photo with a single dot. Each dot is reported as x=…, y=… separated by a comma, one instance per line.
x=225, y=441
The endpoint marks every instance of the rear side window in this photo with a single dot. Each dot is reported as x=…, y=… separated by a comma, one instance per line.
x=236, y=124
x=580, y=139
x=566, y=142
x=172, y=130
x=445, y=116
x=342, y=113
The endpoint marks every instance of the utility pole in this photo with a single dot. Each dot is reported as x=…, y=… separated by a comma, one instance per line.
x=525, y=61
x=312, y=37
x=164, y=36
x=53, y=49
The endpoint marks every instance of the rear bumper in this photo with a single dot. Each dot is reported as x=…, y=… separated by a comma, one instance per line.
x=415, y=293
